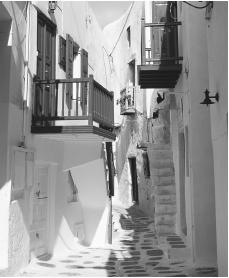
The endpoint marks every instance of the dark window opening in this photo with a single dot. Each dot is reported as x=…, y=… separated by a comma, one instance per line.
x=128, y=36
x=131, y=72
x=62, y=53
x=134, y=179
x=146, y=166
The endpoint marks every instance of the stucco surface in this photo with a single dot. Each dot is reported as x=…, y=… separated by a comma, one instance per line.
x=217, y=33
x=19, y=243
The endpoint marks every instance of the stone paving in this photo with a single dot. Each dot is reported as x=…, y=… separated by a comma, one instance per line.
x=136, y=252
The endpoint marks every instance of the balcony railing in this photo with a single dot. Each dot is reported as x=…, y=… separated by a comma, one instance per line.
x=160, y=67
x=75, y=102
x=160, y=43
x=128, y=100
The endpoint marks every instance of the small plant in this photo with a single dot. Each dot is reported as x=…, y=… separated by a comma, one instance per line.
x=122, y=100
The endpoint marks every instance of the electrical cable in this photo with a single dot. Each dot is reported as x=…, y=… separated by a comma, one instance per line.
x=203, y=7
x=122, y=29
x=108, y=58
x=105, y=68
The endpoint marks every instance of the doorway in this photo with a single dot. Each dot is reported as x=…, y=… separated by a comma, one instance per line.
x=182, y=183
x=39, y=227
x=134, y=181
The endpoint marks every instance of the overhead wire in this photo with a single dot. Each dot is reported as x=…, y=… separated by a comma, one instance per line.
x=105, y=67
x=197, y=7
x=122, y=29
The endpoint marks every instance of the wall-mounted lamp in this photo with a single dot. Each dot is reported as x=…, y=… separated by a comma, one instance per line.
x=160, y=98
x=208, y=100
x=141, y=146
x=156, y=114
x=208, y=12
x=52, y=6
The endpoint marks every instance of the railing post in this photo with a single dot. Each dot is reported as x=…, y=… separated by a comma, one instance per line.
x=56, y=100
x=34, y=102
x=143, y=42
x=90, y=108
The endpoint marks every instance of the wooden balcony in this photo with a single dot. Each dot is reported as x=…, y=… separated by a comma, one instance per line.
x=73, y=109
x=128, y=100
x=160, y=67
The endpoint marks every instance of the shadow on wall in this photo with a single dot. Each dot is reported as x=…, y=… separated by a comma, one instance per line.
x=128, y=139
x=161, y=125
x=134, y=224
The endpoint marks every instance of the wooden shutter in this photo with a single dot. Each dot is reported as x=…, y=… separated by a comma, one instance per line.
x=40, y=49
x=69, y=70
x=62, y=53
x=46, y=36
x=110, y=164
x=84, y=73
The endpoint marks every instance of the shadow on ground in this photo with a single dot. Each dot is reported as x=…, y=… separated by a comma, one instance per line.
x=136, y=252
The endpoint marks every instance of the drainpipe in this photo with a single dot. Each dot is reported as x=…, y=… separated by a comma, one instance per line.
x=26, y=77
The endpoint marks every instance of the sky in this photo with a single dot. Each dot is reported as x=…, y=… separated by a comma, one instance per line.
x=108, y=11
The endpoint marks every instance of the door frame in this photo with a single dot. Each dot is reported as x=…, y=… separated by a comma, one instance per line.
x=182, y=160
x=50, y=228
x=134, y=179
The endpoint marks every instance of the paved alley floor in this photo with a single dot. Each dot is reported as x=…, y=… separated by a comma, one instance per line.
x=136, y=252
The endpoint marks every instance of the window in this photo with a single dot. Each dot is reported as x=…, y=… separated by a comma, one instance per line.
x=128, y=36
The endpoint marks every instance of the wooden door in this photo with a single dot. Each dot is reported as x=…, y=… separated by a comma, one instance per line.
x=45, y=95
x=39, y=223
x=133, y=172
x=163, y=42
x=182, y=183
x=69, y=71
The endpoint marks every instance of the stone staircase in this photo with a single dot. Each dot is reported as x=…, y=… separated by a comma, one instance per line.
x=163, y=181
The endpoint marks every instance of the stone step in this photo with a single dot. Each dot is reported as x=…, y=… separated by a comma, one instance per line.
x=165, y=229
x=166, y=190
x=165, y=199
x=161, y=163
x=160, y=154
x=165, y=208
x=163, y=172
x=163, y=181
x=177, y=254
x=165, y=219
x=151, y=146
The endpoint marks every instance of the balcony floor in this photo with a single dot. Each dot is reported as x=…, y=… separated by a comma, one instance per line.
x=158, y=76
x=73, y=133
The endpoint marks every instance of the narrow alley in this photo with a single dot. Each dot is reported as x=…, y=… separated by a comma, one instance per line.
x=136, y=252
x=114, y=138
